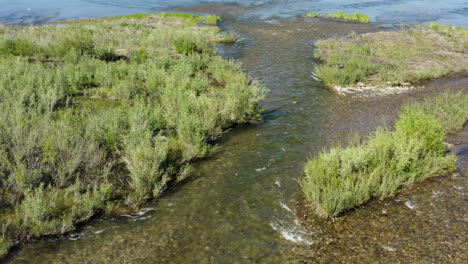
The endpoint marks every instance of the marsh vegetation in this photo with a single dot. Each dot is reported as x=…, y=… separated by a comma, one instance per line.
x=386, y=59
x=345, y=177
x=100, y=115
x=359, y=17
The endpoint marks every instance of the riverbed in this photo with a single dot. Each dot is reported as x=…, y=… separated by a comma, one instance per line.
x=240, y=206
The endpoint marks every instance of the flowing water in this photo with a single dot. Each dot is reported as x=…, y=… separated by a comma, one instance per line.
x=241, y=205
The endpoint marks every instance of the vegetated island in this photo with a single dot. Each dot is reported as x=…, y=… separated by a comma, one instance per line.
x=101, y=115
x=359, y=17
x=392, y=62
x=343, y=178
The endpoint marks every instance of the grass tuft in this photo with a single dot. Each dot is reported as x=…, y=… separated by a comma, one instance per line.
x=344, y=178
x=353, y=17
x=311, y=15
x=229, y=37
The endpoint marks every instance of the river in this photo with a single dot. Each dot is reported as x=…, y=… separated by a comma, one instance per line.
x=240, y=205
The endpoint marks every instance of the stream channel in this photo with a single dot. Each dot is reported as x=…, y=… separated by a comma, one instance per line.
x=240, y=205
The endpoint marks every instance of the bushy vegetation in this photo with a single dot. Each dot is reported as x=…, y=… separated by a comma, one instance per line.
x=343, y=178
x=230, y=37
x=393, y=58
x=98, y=115
x=354, y=17
x=450, y=109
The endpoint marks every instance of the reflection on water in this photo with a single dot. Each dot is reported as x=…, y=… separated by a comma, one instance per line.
x=240, y=205
x=382, y=11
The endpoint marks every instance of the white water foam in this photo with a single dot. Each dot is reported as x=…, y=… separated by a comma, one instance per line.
x=411, y=205
x=277, y=183
x=389, y=248
x=286, y=208
x=291, y=235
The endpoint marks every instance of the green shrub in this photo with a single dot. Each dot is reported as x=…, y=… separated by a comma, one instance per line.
x=80, y=41
x=230, y=37
x=344, y=178
x=415, y=124
x=19, y=47
x=34, y=205
x=186, y=46
x=141, y=55
x=108, y=55
x=450, y=109
x=355, y=16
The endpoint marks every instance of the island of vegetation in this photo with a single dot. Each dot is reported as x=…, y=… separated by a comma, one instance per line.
x=344, y=178
x=392, y=62
x=101, y=115
x=359, y=17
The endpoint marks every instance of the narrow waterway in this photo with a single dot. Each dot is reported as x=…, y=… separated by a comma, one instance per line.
x=240, y=205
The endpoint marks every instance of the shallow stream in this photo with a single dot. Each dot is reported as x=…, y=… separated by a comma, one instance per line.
x=240, y=206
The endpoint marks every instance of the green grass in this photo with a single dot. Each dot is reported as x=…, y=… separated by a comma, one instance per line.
x=449, y=30
x=229, y=37
x=191, y=19
x=341, y=15
x=344, y=178
x=311, y=15
x=353, y=17
x=387, y=59
x=186, y=19
x=105, y=114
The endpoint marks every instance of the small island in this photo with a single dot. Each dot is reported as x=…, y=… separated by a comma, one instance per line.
x=392, y=62
x=383, y=63
x=343, y=178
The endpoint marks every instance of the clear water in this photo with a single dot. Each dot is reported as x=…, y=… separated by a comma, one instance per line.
x=240, y=206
